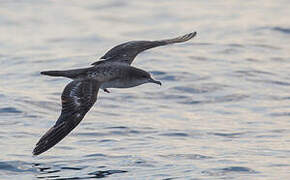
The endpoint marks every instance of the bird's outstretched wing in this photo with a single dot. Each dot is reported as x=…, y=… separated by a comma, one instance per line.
x=77, y=99
x=126, y=52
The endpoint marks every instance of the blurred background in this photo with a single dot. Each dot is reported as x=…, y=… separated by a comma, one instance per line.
x=222, y=112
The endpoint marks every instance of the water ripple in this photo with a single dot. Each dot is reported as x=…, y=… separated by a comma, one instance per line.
x=175, y=134
x=45, y=172
x=100, y=174
x=274, y=82
x=228, y=135
x=9, y=110
x=16, y=166
x=220, y=99
x=238, y=169
x=229, y=170
x=253, y=73
x=187, y=156
x=280, y=114
x=282, y=30
x=198, y=89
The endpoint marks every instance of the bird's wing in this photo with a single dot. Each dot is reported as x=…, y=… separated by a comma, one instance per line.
x=77, y=99
x=126, y=52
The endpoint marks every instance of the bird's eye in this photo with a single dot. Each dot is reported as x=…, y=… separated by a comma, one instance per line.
x=144, y=76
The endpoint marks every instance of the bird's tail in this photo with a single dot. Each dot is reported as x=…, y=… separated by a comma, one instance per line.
x=68, y=73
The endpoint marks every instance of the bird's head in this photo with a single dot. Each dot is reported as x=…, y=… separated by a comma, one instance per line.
x=138, y=77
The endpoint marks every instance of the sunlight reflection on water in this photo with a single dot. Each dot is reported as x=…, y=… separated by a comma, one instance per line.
x=222, y=112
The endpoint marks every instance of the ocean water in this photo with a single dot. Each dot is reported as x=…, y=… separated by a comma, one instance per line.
x=223, y=111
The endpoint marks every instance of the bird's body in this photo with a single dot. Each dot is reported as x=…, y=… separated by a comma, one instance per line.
x=109, y=75
x=113, y=71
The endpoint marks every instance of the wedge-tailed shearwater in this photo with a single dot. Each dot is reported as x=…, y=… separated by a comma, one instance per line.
x=112, y=71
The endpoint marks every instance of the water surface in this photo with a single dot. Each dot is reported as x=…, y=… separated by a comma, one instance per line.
x=222, y=112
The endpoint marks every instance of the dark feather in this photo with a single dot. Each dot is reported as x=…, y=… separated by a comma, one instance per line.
x=126, y=52
x=75, y=73
x=77, y=99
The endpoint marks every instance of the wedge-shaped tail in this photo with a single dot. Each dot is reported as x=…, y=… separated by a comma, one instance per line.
x=73, y=74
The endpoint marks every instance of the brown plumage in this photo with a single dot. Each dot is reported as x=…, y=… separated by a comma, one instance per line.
x=113, y=71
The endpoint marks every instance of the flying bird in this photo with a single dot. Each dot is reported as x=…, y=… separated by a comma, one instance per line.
x=112, y=71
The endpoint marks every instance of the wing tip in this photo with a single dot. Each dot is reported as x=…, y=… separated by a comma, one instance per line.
x=40, y=148
x=189, y=36
x=36, y=151
x=194, y=33
x=182, y=38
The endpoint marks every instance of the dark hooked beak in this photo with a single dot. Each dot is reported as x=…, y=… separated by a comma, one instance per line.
x=154, y=81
